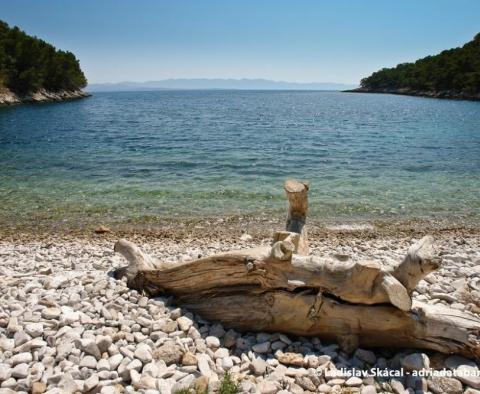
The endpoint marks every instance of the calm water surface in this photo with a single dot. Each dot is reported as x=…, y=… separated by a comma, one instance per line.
x=142, y=155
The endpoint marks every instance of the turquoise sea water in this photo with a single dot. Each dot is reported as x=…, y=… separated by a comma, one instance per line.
x=140, y=155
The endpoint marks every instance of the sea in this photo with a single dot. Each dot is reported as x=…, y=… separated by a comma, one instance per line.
x=146, y=156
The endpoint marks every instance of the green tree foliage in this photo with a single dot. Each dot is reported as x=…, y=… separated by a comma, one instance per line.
x=28, y=64
x=454, y=70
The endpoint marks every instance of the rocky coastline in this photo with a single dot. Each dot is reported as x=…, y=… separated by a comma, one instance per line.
x=451, y=95
x=7, y=97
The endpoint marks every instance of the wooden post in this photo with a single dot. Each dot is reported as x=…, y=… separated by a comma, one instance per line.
x=297, y=194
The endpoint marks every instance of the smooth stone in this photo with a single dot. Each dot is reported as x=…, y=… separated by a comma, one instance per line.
x=70, y=317
x=289, y=358
x=370, y=389
x=7, y=344
x=89, y=362
x=142, y=382
x=230, y=338
x=468, y=375
x=444, y=385
x=285, y=339
x=21, y=358
x=56, y=282
x=34, y=329
x=263, y=337
x=175, y=313
x=109, y=390
x=212, y=342
x=323, y=359
x=143, y=302
x=290, y=371
x=63, y=350
x=453, y=362
x=336, y=381
x=35, y=343
x=227, y=363
x=10, y=382
x=324, y=388
x=184, y=323
x=305, y=383
x=203, y=365
x=103, y=342
x=311, y=361
x=151, y=369
x=20, y=371
x=217, y=330
x=295, y=389
x=397, y=386
x=416, y=383
x=168, y=352
x=144, y=322
x=354, y=382
x=21, y=337
x=246, y=386
x=221, y=353
x=39, y=387
x=103, y=365
x=189, y=359
x=366, y=356
x=258, y=366
x=415, y=362
x=143, y=353
x=262, y=348
x=134, y=365
x=90, y=347
x=278, y=345
x=267, y=387
x=5, y=372
x=115, y=361
x=91, y=382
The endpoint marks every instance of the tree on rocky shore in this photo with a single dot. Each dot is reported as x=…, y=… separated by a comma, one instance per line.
x=28, y=64
x=454, y=70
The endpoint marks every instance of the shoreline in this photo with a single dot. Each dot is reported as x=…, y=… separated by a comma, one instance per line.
x=8, y=98
x=233, y=227
x=418, y=93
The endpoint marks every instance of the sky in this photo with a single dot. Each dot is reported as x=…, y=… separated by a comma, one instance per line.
x=298, y=41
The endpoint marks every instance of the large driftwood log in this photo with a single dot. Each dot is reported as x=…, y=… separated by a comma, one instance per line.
x=277, y=268
x=277, y=289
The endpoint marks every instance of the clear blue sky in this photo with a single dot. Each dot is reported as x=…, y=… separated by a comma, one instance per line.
x=304, y=41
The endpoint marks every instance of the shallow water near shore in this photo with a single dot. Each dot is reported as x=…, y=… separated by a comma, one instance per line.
x=138, y=156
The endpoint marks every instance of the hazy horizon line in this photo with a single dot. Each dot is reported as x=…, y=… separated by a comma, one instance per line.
x=220, y=78
x=218, y=83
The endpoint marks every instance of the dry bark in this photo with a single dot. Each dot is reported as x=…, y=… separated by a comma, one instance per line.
x=278, y=289
x=297, y=194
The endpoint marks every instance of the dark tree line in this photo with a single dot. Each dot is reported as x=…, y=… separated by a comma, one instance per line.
x=28, y=64
x=454, y=70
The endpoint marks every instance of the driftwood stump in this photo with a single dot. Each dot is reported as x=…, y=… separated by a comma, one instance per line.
x=297, y=194
x=282, y=288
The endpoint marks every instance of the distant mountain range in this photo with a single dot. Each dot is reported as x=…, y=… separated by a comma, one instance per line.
x=204, y=83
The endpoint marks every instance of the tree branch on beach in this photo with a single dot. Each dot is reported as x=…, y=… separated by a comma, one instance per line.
x=283, y=288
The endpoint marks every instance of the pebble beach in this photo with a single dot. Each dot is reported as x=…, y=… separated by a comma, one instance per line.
x=67, y=326
x=333, y=234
